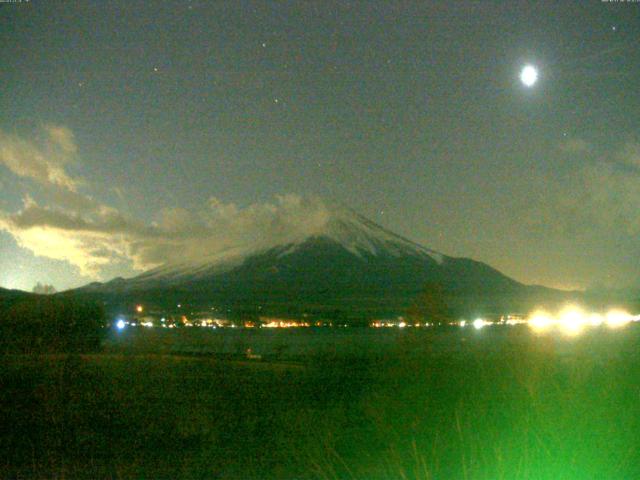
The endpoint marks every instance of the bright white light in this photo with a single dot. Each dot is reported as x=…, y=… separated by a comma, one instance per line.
x=402, y=324
x=478, y=323
x=540, y=321
x=514, y=321
x=463, y=323
x=120, y=324
x=529, y=75
x=618, y=318
x=572, y=319
x=595, y=319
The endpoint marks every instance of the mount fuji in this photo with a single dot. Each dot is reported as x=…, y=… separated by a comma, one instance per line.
x=343, y=263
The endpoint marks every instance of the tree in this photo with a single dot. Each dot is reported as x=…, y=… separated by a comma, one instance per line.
x=52, y=324
x=45, y=289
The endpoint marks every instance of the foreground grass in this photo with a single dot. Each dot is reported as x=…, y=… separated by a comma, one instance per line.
x=526, y=408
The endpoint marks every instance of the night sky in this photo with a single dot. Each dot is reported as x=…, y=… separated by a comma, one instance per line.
x=125, y=125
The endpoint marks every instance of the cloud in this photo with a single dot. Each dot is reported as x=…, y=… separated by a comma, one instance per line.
x=87, y=243
x=599, y=198
x=94, y=238
x=62, y=137
x=42, y=161
x=221, y=228
x=74, y=227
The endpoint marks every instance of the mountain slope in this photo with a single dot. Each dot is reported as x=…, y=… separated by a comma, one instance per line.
x=357, y=235
x=347, y=262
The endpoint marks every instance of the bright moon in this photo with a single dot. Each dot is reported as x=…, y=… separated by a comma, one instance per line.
x=529, y=75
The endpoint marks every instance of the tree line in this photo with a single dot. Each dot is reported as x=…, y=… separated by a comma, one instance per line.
x=47, y=324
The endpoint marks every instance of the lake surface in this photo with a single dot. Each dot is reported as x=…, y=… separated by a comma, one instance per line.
x=351, y=341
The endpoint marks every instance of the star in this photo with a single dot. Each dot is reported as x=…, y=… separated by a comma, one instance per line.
x=276, y=100
x=264, y=44
x=614, y=28
x=155, y=69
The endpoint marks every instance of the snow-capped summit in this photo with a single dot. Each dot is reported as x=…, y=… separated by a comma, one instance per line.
x=340, y=225
x=360, y=235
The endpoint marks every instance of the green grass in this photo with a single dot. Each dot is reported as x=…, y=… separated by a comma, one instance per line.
x=514, y=407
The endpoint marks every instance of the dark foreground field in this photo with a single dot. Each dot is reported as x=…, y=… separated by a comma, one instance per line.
x=494, y=404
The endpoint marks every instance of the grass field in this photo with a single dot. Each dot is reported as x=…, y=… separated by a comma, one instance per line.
x=504, y=404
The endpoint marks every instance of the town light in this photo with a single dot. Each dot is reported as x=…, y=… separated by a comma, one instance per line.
x=572, y=320
x=617, y=318
x=595, y=319
x=540, y=321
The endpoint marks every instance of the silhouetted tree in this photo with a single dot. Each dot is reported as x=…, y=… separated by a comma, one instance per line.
x=52, y=324
x=45, y=289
